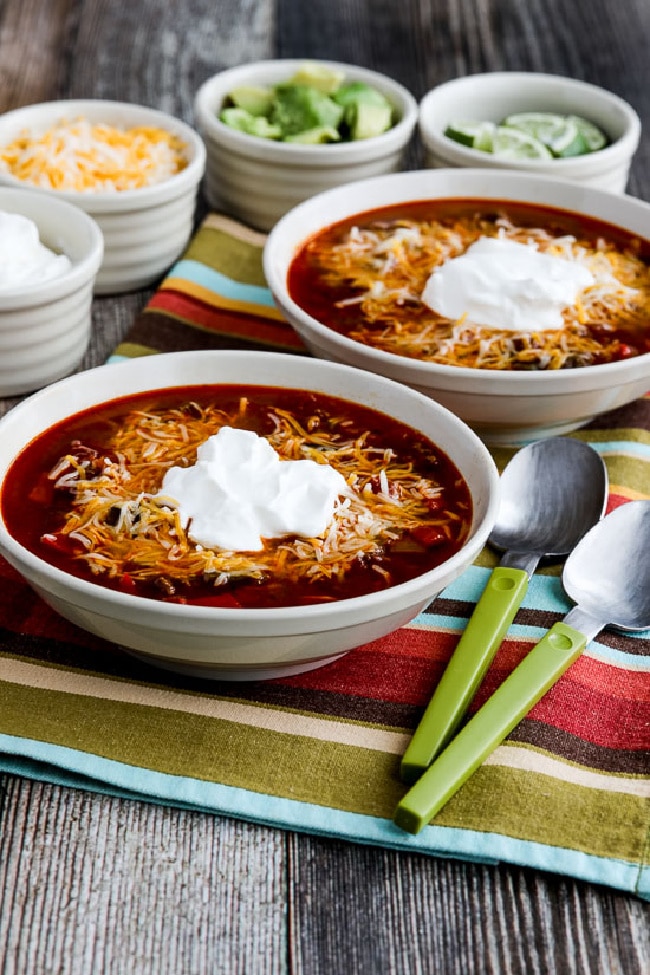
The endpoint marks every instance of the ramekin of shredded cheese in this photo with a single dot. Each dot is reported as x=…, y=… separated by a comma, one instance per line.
x=134, y=169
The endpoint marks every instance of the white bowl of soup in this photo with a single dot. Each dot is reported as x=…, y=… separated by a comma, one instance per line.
x=337, y=123
x=134, y=169
x=239, y=515
x=537, y=123
x=519, y=303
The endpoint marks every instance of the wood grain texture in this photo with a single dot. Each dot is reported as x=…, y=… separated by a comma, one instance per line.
x=92, y=884
x=33, y=39
x=95, y=884
x=379, y=911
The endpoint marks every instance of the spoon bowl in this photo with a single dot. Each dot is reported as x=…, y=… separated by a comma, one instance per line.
x=552, y=492
x=608, y=574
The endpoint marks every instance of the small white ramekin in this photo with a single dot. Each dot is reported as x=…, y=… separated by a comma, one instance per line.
x=45, y=328
x=257, y=180
x=493, y=96
x=145, y=230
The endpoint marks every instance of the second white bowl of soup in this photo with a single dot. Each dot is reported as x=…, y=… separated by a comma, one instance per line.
x=541, y=326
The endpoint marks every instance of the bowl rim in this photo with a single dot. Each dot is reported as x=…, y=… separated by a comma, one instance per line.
x=80, y=272
x=433, y=136
x=111, y=200
x=213, y=89
x=415, y=371
x=339, y=613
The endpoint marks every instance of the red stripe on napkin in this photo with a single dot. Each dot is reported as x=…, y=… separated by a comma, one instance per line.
x=225, y=322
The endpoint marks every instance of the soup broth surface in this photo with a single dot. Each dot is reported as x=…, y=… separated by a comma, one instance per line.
x=85, y=496
x=365, y=277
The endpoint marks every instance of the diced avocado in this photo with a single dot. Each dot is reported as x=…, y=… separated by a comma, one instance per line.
x=366, y=120
x=297, y=108
x=243, y=121
x=366, y=111
x=357, y=92
x=314, y=106
x=314, y=136
x=252, y=98
x=319, y=76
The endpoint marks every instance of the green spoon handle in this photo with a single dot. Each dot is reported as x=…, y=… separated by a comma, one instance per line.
x=528, y=682
x=487, y=626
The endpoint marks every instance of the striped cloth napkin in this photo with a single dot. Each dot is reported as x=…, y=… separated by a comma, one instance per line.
x=568, y=791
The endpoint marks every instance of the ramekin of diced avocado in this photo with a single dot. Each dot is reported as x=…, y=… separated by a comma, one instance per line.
x=530, y=135
x=315, y=105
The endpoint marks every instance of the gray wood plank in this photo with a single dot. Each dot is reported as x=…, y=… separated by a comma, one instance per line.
x=93, y=884
x=378, y=911
x=33, y=39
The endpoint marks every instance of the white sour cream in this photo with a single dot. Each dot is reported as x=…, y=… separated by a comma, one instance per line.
x=240, y=492
x=505, y=285
x=24, y=260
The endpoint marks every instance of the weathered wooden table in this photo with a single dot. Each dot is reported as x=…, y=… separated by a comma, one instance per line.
x=93, y=884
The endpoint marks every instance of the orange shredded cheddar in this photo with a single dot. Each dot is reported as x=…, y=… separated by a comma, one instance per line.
x=89, y=157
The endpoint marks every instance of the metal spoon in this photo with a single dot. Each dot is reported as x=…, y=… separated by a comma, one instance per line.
x=552, y=492
x=608, y=577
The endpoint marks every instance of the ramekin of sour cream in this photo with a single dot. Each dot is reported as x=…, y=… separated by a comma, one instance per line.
x=50, y=253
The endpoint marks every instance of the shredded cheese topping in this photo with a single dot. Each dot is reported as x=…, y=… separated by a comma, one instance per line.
x=123, y=527
x=88, y=157
x=386, y=266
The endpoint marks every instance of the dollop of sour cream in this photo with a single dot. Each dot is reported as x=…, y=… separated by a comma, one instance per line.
x=240, y=492
x=24, y=260
x=506, y=285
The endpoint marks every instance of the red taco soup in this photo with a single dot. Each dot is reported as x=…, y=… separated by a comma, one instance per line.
x=237, y=496
x=481, y=284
